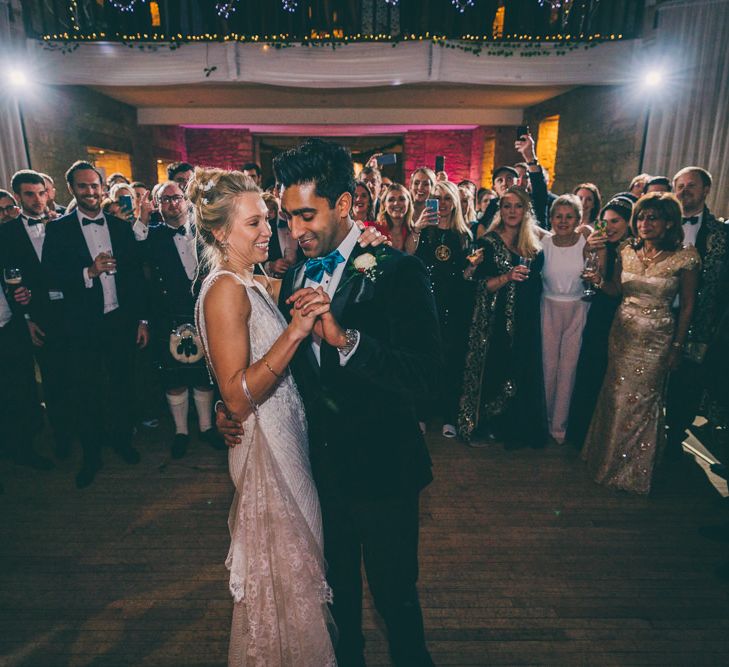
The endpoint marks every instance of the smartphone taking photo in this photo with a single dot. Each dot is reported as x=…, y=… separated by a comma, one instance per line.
x=386, y=159
x=439, y=163
x=432, y=206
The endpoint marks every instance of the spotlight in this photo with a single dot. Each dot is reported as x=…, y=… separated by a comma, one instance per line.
x=653, y=78
x=17, y=78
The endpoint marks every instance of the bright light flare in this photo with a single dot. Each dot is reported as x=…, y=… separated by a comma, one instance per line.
x=654, y=78
x=17, y=78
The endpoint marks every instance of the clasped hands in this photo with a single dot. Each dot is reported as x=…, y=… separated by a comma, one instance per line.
x=310, y=313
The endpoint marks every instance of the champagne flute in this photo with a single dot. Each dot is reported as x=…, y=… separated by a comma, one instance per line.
x=111, y=272
x=592, y=264
x=526, y=262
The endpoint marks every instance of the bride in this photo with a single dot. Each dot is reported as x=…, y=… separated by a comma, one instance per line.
x=276, y=563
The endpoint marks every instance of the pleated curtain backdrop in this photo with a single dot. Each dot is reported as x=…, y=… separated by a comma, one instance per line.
x=689, y=121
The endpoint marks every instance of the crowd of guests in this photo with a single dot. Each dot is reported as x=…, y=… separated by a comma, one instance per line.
x=564, y=318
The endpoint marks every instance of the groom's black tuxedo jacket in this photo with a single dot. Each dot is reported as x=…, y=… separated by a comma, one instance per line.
x=66, y=255
x=363, y=429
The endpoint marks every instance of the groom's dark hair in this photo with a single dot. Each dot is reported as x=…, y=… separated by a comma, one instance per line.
x=324, y=163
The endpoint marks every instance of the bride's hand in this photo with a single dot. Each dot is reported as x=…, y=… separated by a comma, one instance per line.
x=307, y=304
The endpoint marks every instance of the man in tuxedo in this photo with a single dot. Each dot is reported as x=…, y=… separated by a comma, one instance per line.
x=171, y=254
x=710, y=236
x=8, y=207
x=20, y=417
x=22, y=242
x=94, y=260
x=360, y=376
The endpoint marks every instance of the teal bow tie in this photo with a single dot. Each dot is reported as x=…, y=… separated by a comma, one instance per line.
x=318, y=266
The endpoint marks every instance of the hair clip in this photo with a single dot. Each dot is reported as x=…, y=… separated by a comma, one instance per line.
x=209, y=185
x=205, y=201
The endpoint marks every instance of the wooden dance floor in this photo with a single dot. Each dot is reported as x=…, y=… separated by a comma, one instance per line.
x=524, y=561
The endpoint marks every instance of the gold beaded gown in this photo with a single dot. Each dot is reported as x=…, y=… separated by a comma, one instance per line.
x=626, y=434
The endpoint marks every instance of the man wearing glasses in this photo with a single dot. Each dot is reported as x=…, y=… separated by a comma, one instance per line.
x=171, y=253
x=8, y=207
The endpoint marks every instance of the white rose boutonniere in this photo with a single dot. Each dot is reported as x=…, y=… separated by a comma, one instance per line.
x=367, y=265
x=365, y=262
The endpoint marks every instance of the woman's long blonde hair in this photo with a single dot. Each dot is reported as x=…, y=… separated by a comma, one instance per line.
x=456, y=222
x=527, y=242
x=213, y=193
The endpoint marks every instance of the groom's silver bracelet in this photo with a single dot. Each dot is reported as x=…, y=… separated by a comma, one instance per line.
x=351, y=336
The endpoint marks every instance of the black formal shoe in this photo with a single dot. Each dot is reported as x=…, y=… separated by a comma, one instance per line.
x=179, y=445
x=87, y=474
x=213, y=439
x=34, y=460
x=128, y=454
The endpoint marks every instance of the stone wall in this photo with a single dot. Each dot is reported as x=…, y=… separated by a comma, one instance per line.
x=61, y=122
x=600, y=134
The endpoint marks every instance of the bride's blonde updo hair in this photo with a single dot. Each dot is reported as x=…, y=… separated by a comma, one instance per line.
x=213, y=194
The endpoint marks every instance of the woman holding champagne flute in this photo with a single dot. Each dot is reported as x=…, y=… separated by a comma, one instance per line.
x=611, y=229
x=503, y=392
x=627, y=433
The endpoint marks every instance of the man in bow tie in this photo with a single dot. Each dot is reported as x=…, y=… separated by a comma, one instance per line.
x=709, y=235
x=367, y=364
x=171, y=253
x=22, y=242
x=93, y=259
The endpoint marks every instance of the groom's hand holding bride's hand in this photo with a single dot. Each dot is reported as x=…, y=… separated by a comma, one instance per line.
x=229, y=428
x=316, y=301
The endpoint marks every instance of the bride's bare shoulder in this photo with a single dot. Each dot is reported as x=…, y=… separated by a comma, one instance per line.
x=226, y=297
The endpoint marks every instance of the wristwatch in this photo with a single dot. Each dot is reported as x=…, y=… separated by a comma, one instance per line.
x=533, y=163
x=352, y=338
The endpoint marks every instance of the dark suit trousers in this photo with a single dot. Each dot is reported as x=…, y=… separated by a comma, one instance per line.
x=103, y=373
x=20, y=416
x=385, y=534
x=685, y=390
x=52, y=358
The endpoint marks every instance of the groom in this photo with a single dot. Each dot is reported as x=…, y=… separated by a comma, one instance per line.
x=360, y=378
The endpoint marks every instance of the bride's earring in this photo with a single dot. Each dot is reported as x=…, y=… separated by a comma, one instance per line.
x=224, y=248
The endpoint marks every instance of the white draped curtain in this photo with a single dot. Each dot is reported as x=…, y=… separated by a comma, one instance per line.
x=13, y=155
x=689, y=122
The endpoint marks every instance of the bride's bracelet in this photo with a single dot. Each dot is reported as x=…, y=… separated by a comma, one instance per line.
x=265, y=361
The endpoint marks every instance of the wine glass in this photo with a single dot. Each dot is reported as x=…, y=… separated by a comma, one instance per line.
x=592, y=264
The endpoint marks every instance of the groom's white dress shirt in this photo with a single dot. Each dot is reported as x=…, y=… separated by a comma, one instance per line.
x=330, y=284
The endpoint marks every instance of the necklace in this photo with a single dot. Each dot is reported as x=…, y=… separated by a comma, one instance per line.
x=650, y=260
x=442, y=251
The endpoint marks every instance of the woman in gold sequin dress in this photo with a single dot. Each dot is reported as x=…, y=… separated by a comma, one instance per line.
x=627, y=430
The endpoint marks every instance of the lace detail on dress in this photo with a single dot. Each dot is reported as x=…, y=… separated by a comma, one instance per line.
x=276, y=562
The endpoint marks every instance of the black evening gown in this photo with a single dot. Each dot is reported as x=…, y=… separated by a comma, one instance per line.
x=445, y=259
x=503, y=390
x=593, y=360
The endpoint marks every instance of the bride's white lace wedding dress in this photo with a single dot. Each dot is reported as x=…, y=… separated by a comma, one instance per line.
x=276, y=562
